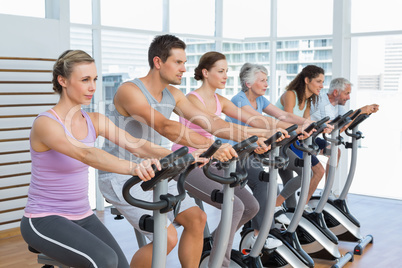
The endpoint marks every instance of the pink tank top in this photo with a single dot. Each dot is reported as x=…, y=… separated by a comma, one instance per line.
x=59, y=183
x=195, y=127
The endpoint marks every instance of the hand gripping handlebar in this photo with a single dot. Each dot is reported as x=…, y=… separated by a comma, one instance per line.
x=358, y=135
x=170, y=168
x=282, y=160
x=243, y=150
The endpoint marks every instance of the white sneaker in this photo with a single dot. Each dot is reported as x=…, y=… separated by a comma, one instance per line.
x=308, y=209
x=252, y=241
x=272, y=242
x=248, y=244
x=280, y=216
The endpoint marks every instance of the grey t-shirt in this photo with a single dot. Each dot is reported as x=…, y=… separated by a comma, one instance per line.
x=138, y=129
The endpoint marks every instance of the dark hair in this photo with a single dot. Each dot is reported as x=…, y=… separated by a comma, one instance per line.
x=298, y=84
x=65, y=64
x=206, y=62
x=161, y=46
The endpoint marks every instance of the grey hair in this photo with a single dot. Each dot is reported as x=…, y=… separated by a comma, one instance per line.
x=339, y=83
x=248, y=74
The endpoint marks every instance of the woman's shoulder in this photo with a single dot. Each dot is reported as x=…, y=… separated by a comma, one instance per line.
x=290, y=93
x=222, y=100
x=287, y=98
x=239, y=97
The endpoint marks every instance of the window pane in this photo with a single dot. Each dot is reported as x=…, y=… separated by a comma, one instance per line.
x=238, y=53
x=29, y=8
x=81, y=38
x=194, y=50
x=246, y=19
x=124, y=57
x=195, y=17
x=145, y=15
x=372, y=16
x=81, y=11
x=308, y=17
x=293, y=56
x=378, y=80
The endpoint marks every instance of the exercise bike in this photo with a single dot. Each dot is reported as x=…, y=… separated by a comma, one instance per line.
x=179, y=162
x=230, y=180
x=163, y=202
x=314, y=236
x=336, y=212
x=290, y=252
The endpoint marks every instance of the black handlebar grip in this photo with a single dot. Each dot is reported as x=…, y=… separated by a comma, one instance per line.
x=237, y=147
x=291, y=128
x=217, y=178
x=169, y=159
x=136, y=202
x=273, y=138
x=347, y=114
x=322, y=121
x=336, y=120
x=212, y=149
x=311, y=127
x=165, y=162
x=358, y=120
x=356, y=113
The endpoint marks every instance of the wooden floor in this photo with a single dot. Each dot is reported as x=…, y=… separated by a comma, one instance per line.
x=379, y=217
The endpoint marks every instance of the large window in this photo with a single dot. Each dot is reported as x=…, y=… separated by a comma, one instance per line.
x=376, y=58
x=304, y=30
x=378, y=79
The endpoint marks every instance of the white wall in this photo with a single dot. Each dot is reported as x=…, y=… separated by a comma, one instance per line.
x=31, y=37
x=25, y=37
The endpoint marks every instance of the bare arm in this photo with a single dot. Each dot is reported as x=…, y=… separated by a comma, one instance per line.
x=48, y=134
x=248, y=115
x=256, y=116
x=130, y=101
x=139, y=147
x=286, y=116
x=367, y=109
x=193, y=111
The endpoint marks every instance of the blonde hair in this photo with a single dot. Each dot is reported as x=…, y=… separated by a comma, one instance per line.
x=65, y=64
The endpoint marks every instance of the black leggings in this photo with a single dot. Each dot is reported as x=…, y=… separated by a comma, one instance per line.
x=82, y=243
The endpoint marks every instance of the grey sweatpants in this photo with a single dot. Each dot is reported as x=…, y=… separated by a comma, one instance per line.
x=290, y=182
x=259, y=189
x=245, y=206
